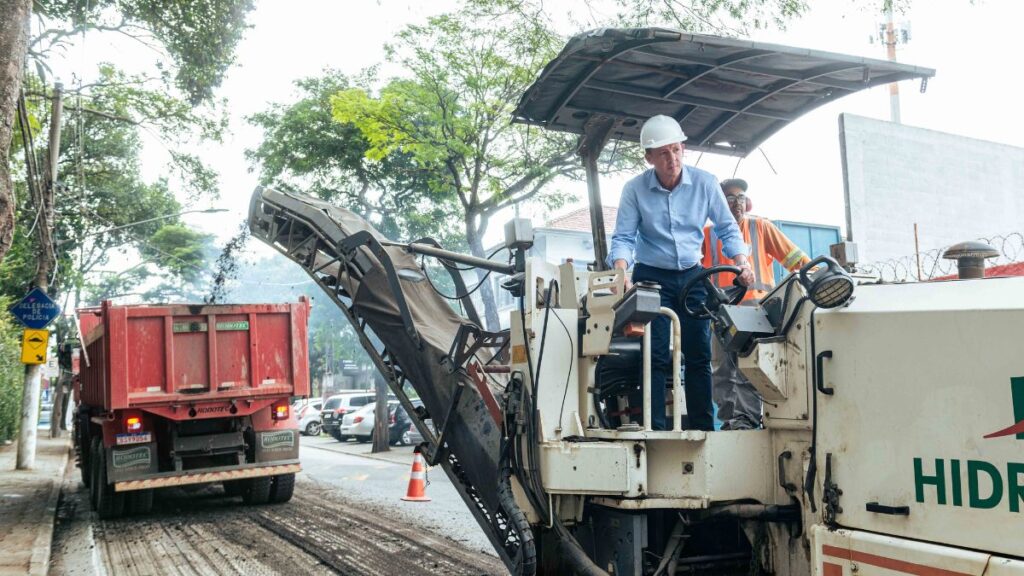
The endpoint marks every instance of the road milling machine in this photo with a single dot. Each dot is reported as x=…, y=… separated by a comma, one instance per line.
x=894, y=413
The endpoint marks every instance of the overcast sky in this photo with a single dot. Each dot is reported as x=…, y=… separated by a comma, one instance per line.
x=975, y=93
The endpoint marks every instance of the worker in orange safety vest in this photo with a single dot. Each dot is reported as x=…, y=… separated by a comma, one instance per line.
x=739, y=404
x=767, y=244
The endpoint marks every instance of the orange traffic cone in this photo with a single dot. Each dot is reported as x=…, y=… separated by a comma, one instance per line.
x=417, y=491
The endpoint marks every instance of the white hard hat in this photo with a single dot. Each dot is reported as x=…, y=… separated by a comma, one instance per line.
x=660, y=131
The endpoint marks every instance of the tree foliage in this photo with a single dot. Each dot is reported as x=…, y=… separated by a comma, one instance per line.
x=726, y=17
x=11, y=374
x=304, y=148
x=105, y=209
x=196, y=38
x=192, y=43
x=451, y=115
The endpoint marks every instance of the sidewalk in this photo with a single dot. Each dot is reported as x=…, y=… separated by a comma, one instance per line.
x=28, y=502
x=397, y=454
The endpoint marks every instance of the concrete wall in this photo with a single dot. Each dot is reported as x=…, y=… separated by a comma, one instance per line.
x=955, y=188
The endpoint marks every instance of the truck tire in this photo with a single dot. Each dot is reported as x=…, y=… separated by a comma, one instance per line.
x=84, y=451
x=109, y=504
x=139, y=502
x=257, y=490
x=282, y=488
x=93, y=472
x=234, y=488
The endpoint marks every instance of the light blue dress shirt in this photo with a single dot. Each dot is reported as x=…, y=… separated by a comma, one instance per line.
x=665, y=228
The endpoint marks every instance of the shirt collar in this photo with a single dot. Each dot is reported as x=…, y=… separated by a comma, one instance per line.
x=653, y=184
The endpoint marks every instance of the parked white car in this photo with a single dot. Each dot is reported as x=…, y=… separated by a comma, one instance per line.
x=338, y=406
x=359, y=424
x=308, y=415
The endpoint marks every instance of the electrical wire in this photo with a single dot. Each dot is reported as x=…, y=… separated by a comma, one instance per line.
x=568, y=373
x=446, y=296
x=451, y=266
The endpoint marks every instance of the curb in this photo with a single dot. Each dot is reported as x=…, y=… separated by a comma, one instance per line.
x=368, y=456
x=39, y=565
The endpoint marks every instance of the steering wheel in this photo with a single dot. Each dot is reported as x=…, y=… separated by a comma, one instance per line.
x=716, y=296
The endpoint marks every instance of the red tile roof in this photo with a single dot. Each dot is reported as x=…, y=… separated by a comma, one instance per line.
x=580, y=220
x=1014, y=269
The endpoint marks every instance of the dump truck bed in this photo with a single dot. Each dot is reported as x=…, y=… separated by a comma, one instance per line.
x=167, y=355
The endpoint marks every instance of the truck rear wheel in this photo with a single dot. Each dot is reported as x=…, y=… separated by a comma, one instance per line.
x=257, y=490
x=93, y=483
x=84, y=451
x=282, y=488
x=139, y=502
x=234, y=488
x=109, y=504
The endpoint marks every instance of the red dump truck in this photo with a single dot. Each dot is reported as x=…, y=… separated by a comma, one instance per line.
x=172, y=395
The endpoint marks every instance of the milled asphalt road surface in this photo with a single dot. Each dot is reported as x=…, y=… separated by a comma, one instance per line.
x=346, y=518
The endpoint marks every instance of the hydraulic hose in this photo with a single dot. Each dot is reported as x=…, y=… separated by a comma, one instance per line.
x=578, y=559
x=527, y=565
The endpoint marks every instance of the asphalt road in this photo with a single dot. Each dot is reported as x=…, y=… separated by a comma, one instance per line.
x=346, y=518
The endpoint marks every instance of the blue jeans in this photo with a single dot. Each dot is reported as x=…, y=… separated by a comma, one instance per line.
x=696, y=348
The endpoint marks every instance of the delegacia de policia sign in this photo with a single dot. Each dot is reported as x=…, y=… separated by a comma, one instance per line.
x=36, y=310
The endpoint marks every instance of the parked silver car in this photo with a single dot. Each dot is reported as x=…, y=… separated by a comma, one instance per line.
x=337, y=406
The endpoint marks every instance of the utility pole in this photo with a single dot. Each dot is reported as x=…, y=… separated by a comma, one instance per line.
x=34, y=372
x=890, y=52
x=889, y=34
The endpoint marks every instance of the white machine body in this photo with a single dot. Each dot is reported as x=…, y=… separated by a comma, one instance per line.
x=894, y=457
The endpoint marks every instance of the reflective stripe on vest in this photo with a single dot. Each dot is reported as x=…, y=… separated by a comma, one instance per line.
x=755, y=250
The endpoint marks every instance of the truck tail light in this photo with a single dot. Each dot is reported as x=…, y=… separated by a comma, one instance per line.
x=133, y=424
x=280, y=412
x=392, y=421
x=357, y=420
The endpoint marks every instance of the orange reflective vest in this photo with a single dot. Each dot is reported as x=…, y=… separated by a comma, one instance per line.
x=767, y=245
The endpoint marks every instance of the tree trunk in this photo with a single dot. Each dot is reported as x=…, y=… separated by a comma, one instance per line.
x=474, y=236
x=34, y=372
x=381, y=420
x=13, y=46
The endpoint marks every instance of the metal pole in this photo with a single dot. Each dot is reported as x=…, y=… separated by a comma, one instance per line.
x=677, y=344
x=917, y=252
x=27, y=433
x=647, y=376
x=595, y=136
x=596, y=209
x=890, y=44
x=456, y=257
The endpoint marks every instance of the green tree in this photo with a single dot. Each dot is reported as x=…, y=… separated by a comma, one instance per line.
x=726, y=17
x=11, y=374
x=451, y=115
x=102, y=193
x=304, y=148
x=193, y=43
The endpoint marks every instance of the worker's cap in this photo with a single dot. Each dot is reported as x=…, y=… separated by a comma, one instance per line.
x=734, y=182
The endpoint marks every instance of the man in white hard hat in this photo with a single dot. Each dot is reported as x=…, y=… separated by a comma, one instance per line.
x=660, y=227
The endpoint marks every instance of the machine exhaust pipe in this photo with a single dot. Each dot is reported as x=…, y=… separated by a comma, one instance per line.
x=970, y=258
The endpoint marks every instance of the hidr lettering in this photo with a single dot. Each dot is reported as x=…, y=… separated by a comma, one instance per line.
x=986, y=487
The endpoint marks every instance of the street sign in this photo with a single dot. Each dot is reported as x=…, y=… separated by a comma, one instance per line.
x=36, y=310
x=33, y=346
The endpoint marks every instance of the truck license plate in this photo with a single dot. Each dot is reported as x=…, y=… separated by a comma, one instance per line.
x=142, y=438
